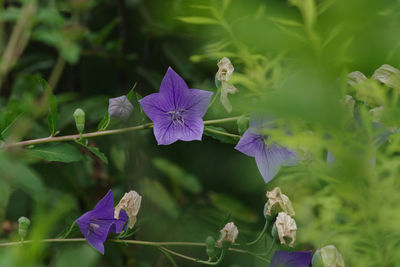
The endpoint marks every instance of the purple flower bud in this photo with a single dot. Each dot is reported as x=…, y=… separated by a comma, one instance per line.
x=120, y=107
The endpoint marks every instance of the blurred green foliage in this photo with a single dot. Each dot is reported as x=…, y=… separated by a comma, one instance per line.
x=291, y=61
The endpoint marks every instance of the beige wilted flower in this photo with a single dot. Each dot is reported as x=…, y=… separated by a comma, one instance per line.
x=349, y=103
x=355, y=77
x=225, y=71
x=276, y=197
x=286, y=227
x=331, y=256
x=388, y=75
x=130, y=203
x=228, y=234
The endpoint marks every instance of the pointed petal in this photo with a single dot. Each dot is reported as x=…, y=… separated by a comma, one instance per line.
x=166, y=132
x=196, y=102
x=270, y=160
x=117, y=225
x=291, y=259
x=173, y=87
x=105, y=205
x=250, y=144
x=97, y=234
x=155, y=106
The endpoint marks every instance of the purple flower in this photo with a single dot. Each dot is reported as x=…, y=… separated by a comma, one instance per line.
x=269, y=157
x=97, y=223
x=282, y=258
x=177, y=111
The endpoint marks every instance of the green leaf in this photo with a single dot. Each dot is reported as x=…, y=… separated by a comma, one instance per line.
x=178, y=175
x=243, y=124
x=233, y=207
x=104, y=123
x=53, y=114
x=131, y=93
x=20, y=176
x=61, y=152
x=214, y=132
x=80, y=255
x=95, y=151
x=198, y=20
x=159, y=196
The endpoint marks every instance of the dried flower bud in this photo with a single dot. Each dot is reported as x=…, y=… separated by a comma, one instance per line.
x=228, y=234
x=225, y=70
x=388, y=75
x=120, y=107
x=210, y=247
x=355, y=77
x=79, y=116
x=286, y=227
x=225, y=90
x=327, y=256
x=276, y=197
x=23, y=226
x=130, y=203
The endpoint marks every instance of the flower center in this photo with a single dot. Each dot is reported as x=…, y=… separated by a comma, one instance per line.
x=177, y=116
x=92, y=228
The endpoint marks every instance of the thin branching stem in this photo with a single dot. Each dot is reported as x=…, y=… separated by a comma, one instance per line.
x=74, y=137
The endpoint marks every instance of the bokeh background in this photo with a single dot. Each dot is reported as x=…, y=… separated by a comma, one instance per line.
x=291, y=61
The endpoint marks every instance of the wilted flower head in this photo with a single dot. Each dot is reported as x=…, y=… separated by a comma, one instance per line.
x=282, y=258
x=130, y=203
x=228, y=234
x=277, y=197
x=355, y=77
x=388, y=75
x=97, y=223
x=225, y=70
x=286, y=227
x=269, y=157
x=120, y=107
x=328, y=256
x=177, y=111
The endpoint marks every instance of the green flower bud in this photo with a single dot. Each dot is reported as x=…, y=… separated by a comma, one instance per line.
x=79, y=116
x=210, y=247
x=317, y=259
x=327, y=256
x=23, y=225
x=243, y=124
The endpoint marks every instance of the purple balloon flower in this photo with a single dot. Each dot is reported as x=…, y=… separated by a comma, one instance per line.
x=97, y=223
x=269, y=157
x=177, y=111
x=282, y=258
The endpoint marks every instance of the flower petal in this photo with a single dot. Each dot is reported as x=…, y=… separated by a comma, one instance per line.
x=196, y=102
x=173, y=86
x=154, y=106
x=166, y=132
x=291, y=259
x=117, y=225
x=250, y=144
x=97, y=235
x=270, y=160
x=105, y=206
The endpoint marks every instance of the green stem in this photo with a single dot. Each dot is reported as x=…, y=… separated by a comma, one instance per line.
x=74, y=137
x=260, y=235
x=194, y=259
x=222, y=133
x=69, y=230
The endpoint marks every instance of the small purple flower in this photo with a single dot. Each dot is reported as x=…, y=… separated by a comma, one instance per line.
x=177, y=111
x=97, y=223
x=269, y=157
x=282, y=258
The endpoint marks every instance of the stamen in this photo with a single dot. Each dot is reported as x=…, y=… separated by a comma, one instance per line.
x=93, y=227
x=177, y=116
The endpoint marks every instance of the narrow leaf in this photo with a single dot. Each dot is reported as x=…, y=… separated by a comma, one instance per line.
x=221, y=135
x=53, y=114
x=131, y=93
x=61, y=152
x=104, y=123
x=95, y=151
x=198, y=20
